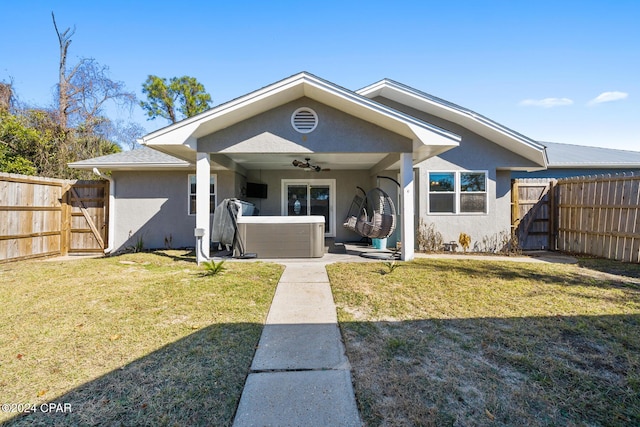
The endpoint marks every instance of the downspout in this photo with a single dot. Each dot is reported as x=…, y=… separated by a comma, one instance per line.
x=112, y=209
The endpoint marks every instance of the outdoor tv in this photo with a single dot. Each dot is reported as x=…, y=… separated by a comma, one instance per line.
x=256, y=191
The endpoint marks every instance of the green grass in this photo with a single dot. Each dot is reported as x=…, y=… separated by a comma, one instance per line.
x=461, y=342
x=138, y=339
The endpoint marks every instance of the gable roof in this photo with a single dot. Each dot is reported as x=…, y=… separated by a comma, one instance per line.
x=180, y=139
x=477, y=123
x=140, y=158
x=580, y=156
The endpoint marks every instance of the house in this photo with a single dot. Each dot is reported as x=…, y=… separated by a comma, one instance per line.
x=307, y=139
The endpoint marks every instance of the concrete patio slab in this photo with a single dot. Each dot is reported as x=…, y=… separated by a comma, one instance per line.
x=296, y=347
x=301, y=398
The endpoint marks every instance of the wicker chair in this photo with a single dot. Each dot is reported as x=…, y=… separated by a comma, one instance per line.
x=372, y=216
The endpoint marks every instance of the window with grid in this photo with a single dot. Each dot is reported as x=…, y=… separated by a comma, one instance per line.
x=458, y=192
x=192, y=194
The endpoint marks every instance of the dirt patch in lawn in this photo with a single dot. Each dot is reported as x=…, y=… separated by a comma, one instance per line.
x=459, y=342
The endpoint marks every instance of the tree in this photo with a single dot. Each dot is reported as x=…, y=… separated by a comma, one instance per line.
x=125, y=134
x=26, y=143
x=64, y=40
x=43, y=141
x=85, y=89
x=6, y=95
x=184, y=95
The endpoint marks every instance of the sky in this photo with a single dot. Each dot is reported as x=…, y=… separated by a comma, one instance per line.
x=562, y=71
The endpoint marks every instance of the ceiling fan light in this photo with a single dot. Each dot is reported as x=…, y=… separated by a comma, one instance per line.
x=308, y=167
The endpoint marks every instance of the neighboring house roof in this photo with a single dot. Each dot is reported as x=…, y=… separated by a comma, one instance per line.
x=483, y=126
x=180, y=139
x=580, y=156
x=141, y=158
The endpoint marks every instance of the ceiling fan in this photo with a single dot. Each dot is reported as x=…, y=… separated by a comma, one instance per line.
x=308, y=166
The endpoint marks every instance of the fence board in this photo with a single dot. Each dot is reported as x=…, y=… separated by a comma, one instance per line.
x=36, y=216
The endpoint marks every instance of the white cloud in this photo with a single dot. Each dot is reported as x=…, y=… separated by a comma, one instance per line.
x=546, y=102
x=608, y=97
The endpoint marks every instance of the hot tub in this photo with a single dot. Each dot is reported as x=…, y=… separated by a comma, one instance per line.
x=283, y=236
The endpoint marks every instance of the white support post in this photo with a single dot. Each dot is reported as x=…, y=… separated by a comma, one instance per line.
x=406, y=199
x=203, y=177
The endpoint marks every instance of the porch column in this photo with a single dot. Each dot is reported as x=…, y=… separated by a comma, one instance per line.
x=203, y=176
x=407, y=205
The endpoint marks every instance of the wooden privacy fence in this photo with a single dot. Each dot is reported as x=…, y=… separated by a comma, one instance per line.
x=600, y=216
x=595, y=215
x=44, y=217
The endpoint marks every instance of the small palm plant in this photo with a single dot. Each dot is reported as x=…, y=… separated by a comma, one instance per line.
x=212, y=268
x=391, y=266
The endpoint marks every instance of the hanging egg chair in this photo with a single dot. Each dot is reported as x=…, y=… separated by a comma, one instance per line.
x=372, y=215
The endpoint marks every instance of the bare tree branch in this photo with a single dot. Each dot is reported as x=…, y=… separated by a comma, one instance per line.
x=64, y=40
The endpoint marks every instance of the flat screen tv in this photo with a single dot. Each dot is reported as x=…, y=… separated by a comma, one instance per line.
x=256, y=191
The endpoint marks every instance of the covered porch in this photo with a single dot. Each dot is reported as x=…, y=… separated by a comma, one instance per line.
x=307, y=144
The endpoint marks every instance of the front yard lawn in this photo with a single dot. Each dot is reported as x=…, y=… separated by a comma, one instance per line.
x=461, y=342
x=138, y=339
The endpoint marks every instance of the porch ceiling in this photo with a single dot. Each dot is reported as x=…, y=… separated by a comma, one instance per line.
x=333, y=161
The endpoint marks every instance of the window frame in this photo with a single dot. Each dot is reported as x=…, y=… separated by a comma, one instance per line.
x=213, y=177
x=457, y=193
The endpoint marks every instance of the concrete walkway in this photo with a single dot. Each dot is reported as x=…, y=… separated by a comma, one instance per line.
x=300, y=375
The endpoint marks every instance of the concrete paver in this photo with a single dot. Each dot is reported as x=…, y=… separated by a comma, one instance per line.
x=296, y=347
x=307, y=398
x=296, y=303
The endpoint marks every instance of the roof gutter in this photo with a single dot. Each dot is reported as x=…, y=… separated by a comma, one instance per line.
x=112, y=204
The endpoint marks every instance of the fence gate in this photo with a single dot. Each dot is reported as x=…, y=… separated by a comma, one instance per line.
x=88, y=221
x=45, y=217
x=532, y=213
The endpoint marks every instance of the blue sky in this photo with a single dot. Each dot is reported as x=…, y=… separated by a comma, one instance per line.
x=563, y=71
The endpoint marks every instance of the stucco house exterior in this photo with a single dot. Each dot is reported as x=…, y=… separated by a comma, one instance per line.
x=453, y=166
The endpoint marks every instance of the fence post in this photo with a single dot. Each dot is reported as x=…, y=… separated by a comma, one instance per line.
x=553, y=216
x=515, y=209
x=65, y=220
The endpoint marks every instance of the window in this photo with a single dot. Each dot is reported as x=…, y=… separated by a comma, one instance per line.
x=457, y=192
x=192, y=194
x=442, y=191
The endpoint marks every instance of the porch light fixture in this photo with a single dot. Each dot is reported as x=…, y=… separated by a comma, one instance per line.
x=306, y=165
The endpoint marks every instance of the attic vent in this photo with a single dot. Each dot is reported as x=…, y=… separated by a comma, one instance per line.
x=304, y=120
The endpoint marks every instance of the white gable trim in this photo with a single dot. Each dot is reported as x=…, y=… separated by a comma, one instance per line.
x=178, y=139
x=495, y=132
